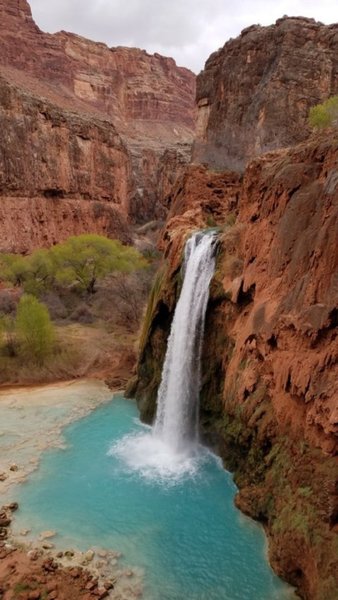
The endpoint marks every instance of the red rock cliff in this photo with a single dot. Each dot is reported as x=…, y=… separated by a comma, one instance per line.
x=143, y=105
x=269, y=398
x=61, y=172
x=255, y=93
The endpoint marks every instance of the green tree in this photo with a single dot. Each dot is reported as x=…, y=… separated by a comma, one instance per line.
x=13, y=268
x=34, y=272
x=86, y=258
x=40, y=270
x=35, y=331
x=325, y=114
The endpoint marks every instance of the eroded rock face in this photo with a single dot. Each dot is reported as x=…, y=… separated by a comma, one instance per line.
x=61, y=173
x=87, y=121
x=37, y=222
x=289, y=248
x=255, y=93
x=268, y=399
x=52, y=152
x=281, y=258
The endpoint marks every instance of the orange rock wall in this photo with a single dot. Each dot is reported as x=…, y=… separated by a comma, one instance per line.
x=82, y=120
x=61, y=173
x=269, y=399
x=289, y=248
x=283, y=280
x=30, y=223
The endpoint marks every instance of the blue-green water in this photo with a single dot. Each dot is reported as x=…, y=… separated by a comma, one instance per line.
x=186, y=533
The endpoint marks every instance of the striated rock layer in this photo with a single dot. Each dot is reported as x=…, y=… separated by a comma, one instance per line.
x=268, y=400
x=82, y=120
x=255, y=93
x=61, y=173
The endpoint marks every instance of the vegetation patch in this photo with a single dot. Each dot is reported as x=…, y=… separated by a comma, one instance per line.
x=56, y=306
x=325, y=114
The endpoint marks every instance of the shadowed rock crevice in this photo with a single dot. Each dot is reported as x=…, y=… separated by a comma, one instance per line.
x=246, y=297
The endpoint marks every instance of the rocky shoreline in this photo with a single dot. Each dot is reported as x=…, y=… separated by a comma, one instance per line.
x=36, y=568
x=34, y=571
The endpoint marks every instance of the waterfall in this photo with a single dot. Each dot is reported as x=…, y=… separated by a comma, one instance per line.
x=170, y=450
x=178, y=396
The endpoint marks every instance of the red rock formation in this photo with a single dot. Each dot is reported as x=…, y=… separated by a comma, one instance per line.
x=30, y=223
x=268, y=401
x=123, y=107
x=61, y=173
x=255, y=93
x=33, y=574
x=270, y=355
x=289, y=247
x=126, y=83
x=286, y=234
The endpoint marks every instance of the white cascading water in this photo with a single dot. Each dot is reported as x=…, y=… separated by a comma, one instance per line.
x=170, y=449
x=178, y=396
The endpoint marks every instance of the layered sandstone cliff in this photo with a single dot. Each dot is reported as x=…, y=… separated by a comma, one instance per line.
x=114, y=120
x=268, y=400
x=60, y=173
x=255, y=93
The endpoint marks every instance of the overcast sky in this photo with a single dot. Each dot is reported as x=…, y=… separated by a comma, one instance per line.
x=188, y=30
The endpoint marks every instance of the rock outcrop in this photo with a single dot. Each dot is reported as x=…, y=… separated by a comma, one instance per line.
x=61, y=173
x=255, y=93
x=88, y=122
x=268, y=399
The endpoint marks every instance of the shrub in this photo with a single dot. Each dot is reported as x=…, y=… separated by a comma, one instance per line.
x=81, y=261
x=8, y=344
x=39, y=272
x=13, y=268
x=34, y=329
x=82, y=314
x=325, y=114
x=8, y=302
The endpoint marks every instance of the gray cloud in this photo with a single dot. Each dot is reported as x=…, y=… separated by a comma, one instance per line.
x=188, y=30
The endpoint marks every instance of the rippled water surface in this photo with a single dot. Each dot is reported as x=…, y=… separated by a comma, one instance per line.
x=183, y=530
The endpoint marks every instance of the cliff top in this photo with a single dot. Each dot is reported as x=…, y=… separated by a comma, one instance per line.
x=255, y=93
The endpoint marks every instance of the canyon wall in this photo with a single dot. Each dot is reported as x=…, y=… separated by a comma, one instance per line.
x=269, y=367
x=60, y=173
x=255, y=93
x=268, y=401
x=85, y=121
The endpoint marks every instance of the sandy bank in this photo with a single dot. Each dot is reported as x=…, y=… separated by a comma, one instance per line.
x=32, y=420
